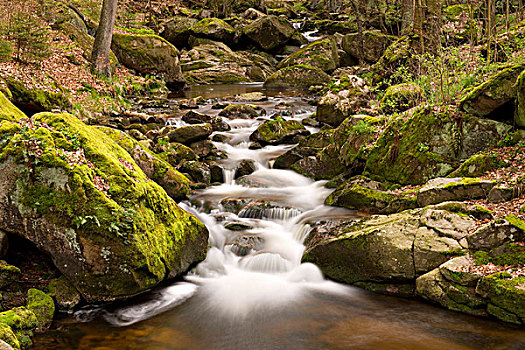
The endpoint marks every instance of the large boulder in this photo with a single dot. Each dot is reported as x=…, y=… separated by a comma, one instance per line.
x=177, y=30
x=374, y=45
x=269, y=32
x=213, y=28
x=323, y=166
x=8, y=112
x=321, y=54
x=299, y=76
x=400, y=97
x=453, y=189
x=82, y=199
x=488, y=99
x=429, y=144
x=216, y=122
x=279, y=131
x=149, y=54
x=188, y=134
x=335, y=106
x=308, y=146
x=387, y=249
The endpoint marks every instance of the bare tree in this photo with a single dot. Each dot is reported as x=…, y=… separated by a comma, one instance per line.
x=102, y=45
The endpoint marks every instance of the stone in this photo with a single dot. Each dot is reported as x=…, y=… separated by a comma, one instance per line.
x=204, y=148
x=106, y=226
x=188, y=134
x=43, y=306
x=174, y=152
x=8, y=274
x=279, y=131
x=321, y=54
x=197, y=171
x=8, y=111
x=66, y=296
x=150, y=54
x=507, y=294
x=449, y=270
x=239, y=111
x=298, y=76
x=493, y=235
x=269, y=32
x=400, y=97
x=375, y=44
x=519, y=116
x=213, y=28
x=308, y=146
x=453, y=189
x=501, y=194
x=477, y=165
x=246, y=167
x=333, y=108
x=177, y=30
x=217, y=123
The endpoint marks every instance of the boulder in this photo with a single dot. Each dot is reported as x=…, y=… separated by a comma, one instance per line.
x=86, y=203
x=239, y=111
x=375, y=44
x=519, y=117
x=177, y=30
x=321, y=54
x=217, y=124
x=173, y=182
x=299, y=76
x=17, y=326
x=323, y=166
x=8, y=274
x=400, y=97
x=279, y=131
x=43, y=306
x=395, y=56
x=506, y=297
x=66, y=296
x=487, y=99
x=197, y=171
x=149, y=54
x=214, y=29
x=429, y=144
x=8, y=112
x=269, y=32
x=188, y=134
x=174, y=152
x=308, y=146
x=495, y=235
x=334, y=107
x=453, y=189
x=477, y=165
x=246, y=167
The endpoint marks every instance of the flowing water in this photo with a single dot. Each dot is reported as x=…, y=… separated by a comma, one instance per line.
x=253, y=292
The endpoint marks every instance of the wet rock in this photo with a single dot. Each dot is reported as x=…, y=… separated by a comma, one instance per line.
x=220, y=138
x=299, y=76
x=323, y=166
x=237, y=226
x=500, y=89
x=269, y=32
x=198, y=172
x=66, y=296
x=375, y=44
x=279, y=131
x=149, y=54
x=244, y=245
x=239, y=111
x=321, y=54
x=234, y=205
x=400, y=97
x=217, y=124
x=213, y=28
x=8, y=274
x=204, y=148
x=308, y=146
x=453, y=189
x=177, y=30
x=216, y=172
x=80, y=214
x=246, y=167
x=42, y=305
x=188, y=134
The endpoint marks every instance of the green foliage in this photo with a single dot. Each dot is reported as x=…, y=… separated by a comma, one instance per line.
x=6, y=51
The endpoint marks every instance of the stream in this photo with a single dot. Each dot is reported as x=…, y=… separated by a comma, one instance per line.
x=252, y=291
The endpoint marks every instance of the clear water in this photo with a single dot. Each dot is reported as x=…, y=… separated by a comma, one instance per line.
x=253, y=292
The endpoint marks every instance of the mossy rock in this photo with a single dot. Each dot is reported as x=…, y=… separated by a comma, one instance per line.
x=279, y=131
x=8, y=274
x=149, y=54
x=477, y=165
x=395, y=56
x=239, y=111
x=213, y=28
x=519, y=117
x=42, y=306
x=177, y=30
x=441, y=190
x=321, y=54
x=298, y=76
x=498, y=90
x=35, y=100
x=9, y=337
x=323, y=166
x=507, y=294
x=66, y=296
x=8, y=111
x=269, y=32
x=108, y=228
x=174, y=183
x=308, y=146
x=400, y=97
x=174, y=153
x=374, y=44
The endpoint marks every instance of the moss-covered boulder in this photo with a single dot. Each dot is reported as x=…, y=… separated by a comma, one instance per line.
x=279, y=131
x=8, y=274
x=22, y=322
x=321, y=54
x=174, y=183
x=43, y=306
x=298, y=76
x=325, y=165
x=149, y=54
x=65, y=294
x=453, y=189
x=519, y=117
x=374, y=45
x=488, y=99
x=386, y=249
x=429, y=143
x=216, y=122
x=107, y=227
x=8, y=112
x=308, y=146
x=506, y=297
x=35, y=100
x=239, y=111
x=173, y=152
x=177, y=30
x=269, y=32
x=400, y=97
x=213, y=28
x=395, y=56
x=477, y=165
x=8, y=338
x=334, y=107
x=187, y=134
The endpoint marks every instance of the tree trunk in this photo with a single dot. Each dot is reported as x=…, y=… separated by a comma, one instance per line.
x=102, y=45
x=407, y=13
x=360, y=36
x=428, y=25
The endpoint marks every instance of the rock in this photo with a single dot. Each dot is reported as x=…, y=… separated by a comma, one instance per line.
x=452, y=272
x=323, y=166
x=453, y=189
x=174, y=183
x=216, y=172
x=217, y=124
x=269, y=32
x=252, y=14
x=198, y=172
x=8, y=337
x=19, y=322
x=34, y=100
x=395, y=56
x=381, y=249
x=4, y=345
x=189, y=134
x=487, y=99
x=66, y=296
x=351, y=138
x=239, y=111
x=452, y=224
x=506, y=294
x=213, y=28
x=204, y=148
x=333, y=108
x=4, y=244
x=149, y=54
x=279, y=131
x=308, y=146
x=500, y=194
x=494, y=235
x=519, y=116
x=8, y=274
x=177, y=30
x=366, y=196
x=174, y=152
x=109, y=229
x=42, y=306
x=400, y=97
x=299, y=76
x=321, y=54
x=477, y=165
x=8, y=111
x=429, y=144
x=246, y=167
x=375, y=44
x=237, y=226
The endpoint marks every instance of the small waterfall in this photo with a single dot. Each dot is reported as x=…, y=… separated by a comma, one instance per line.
x=282, y=214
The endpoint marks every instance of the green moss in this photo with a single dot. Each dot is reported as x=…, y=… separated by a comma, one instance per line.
x=477, y=165
x=8, y=336
x=505, y=293
x=42, y=306
x=274, y=131
x=321, y=54
x=516, y=222
x=400, y=97
x=44, y=100
x=8, y=111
